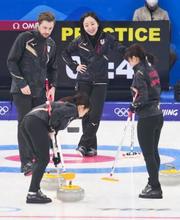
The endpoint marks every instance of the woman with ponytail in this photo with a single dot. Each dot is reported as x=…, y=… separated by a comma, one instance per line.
x=36, y=128
x=146, y=95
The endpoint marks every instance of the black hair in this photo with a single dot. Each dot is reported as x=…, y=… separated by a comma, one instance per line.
x=138, y=51
x=89, y=14
x=78, y=99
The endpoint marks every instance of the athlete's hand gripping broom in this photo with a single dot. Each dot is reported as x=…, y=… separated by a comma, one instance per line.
x=56, y=147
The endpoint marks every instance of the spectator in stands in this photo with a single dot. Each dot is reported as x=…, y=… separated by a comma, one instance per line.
x=152, y=12
x=31, y=60
x=146, y=95
x=94, y=48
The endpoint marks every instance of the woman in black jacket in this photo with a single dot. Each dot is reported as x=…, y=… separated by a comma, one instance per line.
x=37, y=125
x=94, y=47
x=146, y=95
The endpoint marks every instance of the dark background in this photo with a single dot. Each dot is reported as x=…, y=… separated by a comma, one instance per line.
x=118, y=87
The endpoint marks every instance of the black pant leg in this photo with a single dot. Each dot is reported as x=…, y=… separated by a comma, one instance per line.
x=38, y=101
x=90, y=123
x=24, y=104
x=148, y=136
x=159, y=123
x=84, y=87
x=172, y=58
x=36, y=133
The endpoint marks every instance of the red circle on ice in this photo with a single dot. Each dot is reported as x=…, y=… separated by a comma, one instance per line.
x=75, y=158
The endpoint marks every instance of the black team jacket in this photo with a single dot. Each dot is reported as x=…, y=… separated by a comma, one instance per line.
x=60, y=115
x=31, y=60
x=146, y=90
x=95, y=57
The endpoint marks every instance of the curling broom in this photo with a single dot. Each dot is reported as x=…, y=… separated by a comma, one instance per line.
x=110, y=177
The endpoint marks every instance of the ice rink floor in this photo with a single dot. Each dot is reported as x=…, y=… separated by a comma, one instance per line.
x=103, y=200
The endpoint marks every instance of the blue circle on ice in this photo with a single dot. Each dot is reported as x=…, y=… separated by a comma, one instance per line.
x=9, y=209
x=174, y=154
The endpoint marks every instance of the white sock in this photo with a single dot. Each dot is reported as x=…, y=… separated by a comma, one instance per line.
x=31, y=193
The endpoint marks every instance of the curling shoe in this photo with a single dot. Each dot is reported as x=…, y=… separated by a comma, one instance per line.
x=81, y=150
x=37, y=197
x=84, y=152
x=27, y=169
x=91, y=152
x=149, y=193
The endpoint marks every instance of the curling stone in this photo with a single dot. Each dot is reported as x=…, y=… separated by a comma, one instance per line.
x=70, y=192
x=169, y=177
x=52, y=181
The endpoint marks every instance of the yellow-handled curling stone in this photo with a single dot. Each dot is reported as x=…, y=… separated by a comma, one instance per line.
x=65, y=192
x=52, y=180
x=169, y=176
x=69, y=192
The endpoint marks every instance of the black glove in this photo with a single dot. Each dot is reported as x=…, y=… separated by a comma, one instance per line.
x=56, y=159
x=132, y=108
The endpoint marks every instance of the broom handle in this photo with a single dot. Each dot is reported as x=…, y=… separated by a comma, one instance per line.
x=55, y=151
x=58, y=145
x=120, y=146
x=48, y=102
x=53, y=137
x=132, y=132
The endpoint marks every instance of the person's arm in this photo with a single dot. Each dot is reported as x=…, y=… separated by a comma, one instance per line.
x=66, y=55
x=139, y=90
x=136, y=16
x=118, y=46
x=61, y=116
x=14, y=58
x=166, y=16
x=56, y=119
x=113, y=45
x=52, y=74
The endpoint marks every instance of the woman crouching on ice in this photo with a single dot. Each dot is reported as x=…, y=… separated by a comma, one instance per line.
x=37, y=125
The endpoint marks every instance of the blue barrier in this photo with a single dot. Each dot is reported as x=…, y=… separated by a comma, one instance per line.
x=112, y=111
x=167, y=96
x=119, y=111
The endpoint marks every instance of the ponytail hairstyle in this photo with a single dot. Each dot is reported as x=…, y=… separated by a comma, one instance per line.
x=78, y=99
x=138, y=51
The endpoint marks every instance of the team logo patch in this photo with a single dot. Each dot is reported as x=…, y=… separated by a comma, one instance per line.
x=102, y=41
